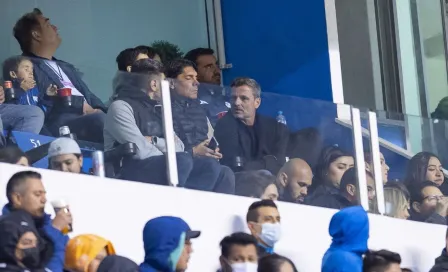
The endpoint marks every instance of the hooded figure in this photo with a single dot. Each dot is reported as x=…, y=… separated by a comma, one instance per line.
x=115, y=263
x=441, y=263
x=349, y=229
x=164, y=240
x=17, y=255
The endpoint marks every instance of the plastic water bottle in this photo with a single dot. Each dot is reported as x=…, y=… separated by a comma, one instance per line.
x=281, y=118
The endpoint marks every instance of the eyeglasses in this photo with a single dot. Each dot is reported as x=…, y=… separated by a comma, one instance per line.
x=434, y=197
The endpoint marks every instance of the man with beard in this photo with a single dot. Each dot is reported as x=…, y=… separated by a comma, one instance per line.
x=26, y=192
x=293, y=180
x=211, y=94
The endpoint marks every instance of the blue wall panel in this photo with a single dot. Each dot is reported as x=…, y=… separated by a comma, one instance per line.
x=283, y=45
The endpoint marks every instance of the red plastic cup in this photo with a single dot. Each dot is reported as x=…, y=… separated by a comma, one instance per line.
x=64, y=92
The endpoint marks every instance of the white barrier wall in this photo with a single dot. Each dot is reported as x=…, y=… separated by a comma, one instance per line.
x=118, y=211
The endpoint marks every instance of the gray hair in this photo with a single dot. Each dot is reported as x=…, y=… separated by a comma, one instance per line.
x=246, y=81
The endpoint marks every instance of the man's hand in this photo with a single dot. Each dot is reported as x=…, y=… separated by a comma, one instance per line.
x=442, y=207
x=87, y=109
x=62, y=219
x=52, y=90
x=27, y=84
x=202, y=150
x=2, y=95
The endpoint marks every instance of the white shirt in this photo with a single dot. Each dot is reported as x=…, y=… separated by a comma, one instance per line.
x=63, y=78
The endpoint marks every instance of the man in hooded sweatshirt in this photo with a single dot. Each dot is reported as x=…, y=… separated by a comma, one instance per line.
x=441, y=263
x=25, y=192
x=115, y=263
x=167, y=243
x=349, y=229
x=21, y=248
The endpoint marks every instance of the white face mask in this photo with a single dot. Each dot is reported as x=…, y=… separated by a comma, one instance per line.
x=270, y=233
x=244, y=267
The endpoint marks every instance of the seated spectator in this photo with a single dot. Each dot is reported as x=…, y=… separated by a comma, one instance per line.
x=13, y=155
x=167, y=242
x=331, y=166
x=293, y=180
x=152, y=53
x=210, y=93
x=263, y=220
x=135, y=117
x=276, y=263
x=65, y=155
x=239, y=253
x=384, y=167
x=348, y=192
x=425, y=166
x=428, y=204
x=257, y=184
x=19, y=70
x=441, y=263
x=39, y=40
x=259, y=141
x=396, y=204
x=381, y=260
x=26, y=192
x=21, y=248
x=23, y=118
x=115, y=263
x=85, y=252
x=349, y=229
x=191, y=125
x=128, y=56
x=400, y=186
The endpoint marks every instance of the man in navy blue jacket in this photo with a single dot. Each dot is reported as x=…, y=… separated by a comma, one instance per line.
x=25, y=191
x=39, y=40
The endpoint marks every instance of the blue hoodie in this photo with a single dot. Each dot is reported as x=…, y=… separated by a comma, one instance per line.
x=59, y=240
x=350, y=231
x=163, y=239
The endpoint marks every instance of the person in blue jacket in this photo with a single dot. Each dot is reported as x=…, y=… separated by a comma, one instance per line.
x=167, y=243
x=25, y=191
x=349, y=229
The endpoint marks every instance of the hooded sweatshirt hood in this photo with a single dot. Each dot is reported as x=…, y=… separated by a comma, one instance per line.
x=163, y=239
x=12, y=227
x=349, y=229
x=115, y=263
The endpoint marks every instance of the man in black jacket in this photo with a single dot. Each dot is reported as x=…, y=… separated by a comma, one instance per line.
x=428, y=204
x=193, y=128
x=441, y=263
x=259, y=142
x=39, y=40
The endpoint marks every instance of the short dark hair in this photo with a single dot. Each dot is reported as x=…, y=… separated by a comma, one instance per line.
x=253, y=183
x=252, y=213
x=416, y=191
x=23, y=28
x=250, y=82
x=380, y=260
x=18, y=180
x=147, y=50
x=351, y=177
x=176, y=67
x=11, y=154
x=194, y=54
x=147, y=66
x=12, y=65
x=126, y=58
x=237, y=238
x=273, y=263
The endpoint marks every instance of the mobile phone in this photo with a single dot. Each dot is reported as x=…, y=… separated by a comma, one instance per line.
x=213, y=144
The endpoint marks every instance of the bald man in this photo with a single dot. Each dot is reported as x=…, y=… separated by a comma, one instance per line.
x=293, y=180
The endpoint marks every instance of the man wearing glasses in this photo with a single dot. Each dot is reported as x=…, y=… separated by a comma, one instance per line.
x=428, y=204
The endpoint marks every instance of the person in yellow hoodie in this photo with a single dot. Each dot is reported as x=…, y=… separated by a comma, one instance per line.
x=85, y=252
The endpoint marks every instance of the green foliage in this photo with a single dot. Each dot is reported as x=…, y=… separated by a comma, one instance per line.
x=167, y=50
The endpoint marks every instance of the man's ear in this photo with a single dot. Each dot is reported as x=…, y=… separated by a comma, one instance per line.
x=81, y=159
x=283, y=179
x=128, y=68
x=153, y=85
x=416, y=206
x=351, y=189
x=12, y=74
x=257, y=102
x=16, y=199
x=250, y=225
x=35, y=35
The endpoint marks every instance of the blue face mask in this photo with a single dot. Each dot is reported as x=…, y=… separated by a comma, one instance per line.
x=270, y=233
x=177, y=252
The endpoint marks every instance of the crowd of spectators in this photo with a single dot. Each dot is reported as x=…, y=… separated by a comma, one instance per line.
x=222, y=145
